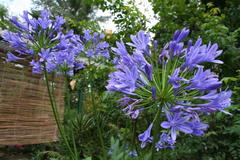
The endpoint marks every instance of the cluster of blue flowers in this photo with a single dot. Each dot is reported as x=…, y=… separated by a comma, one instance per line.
x=93, y=44
x=42, y=41
x=174, y=86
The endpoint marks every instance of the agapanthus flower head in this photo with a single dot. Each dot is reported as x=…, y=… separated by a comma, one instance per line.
x=94, y=44
x=43, y=41
x=175, y=87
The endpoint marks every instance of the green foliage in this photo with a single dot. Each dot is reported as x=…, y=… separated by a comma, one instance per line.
x=3, y=16
x=120, y=152
x=230, y=8
x=48, y=155
x=4, y=20
x=78, y=13
x=127, y=17
x=79, y=26
x=91, y=107
x=205, y=20
x=75, y=9
x=80, y=95
x=81, y=127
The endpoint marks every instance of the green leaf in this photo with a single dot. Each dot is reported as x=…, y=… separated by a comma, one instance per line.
x=227, y=79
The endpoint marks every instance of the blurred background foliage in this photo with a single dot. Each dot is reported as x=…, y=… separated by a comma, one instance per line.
x=213, y=20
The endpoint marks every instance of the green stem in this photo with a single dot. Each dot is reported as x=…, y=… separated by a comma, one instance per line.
x=156, y=84
x=95, y=112
x=156, y=129
x=134, y=125
x=56, y=114
x=143, y=88
x=80, y=100
x=67, y=97
x=67, y=92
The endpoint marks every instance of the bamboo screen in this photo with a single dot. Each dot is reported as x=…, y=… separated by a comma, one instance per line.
x=25, y=112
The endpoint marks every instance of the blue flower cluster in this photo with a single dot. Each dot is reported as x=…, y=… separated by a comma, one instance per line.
x=93, y=44
x=173, y=85
x=42, y=41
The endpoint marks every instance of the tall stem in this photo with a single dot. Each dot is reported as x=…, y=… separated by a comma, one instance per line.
x=134, y=127
x=67, y=98
x=67, y=92
x=95, y=111
x=156, y=129
x=56, y=114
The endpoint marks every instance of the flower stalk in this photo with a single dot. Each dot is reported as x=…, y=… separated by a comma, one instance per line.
x=56, y=116
x=94, y=107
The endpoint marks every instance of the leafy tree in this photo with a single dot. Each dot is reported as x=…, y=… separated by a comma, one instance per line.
x=230, y=8
x=4, y=23
x=79, y=14
x=202, y=19
x=127, y=17
x=75, y=9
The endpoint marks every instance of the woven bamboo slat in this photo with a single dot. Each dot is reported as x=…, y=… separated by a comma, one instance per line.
x=25, y=112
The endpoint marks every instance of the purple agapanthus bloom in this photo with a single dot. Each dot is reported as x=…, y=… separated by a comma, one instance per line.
x=218, y=101
x=164, y=56
x=198, y=54
x=141, y=42
x=154, y=93
x=180, y=35
x=165, y=141
x=87, y=35
x=135, y=114
x=78, y=65
x=130, y=110
x=139, y=58
x=11, y=57
x=176, y=122
x=125, y=100
x=121, y=49
x=174, y=79
x=44, y=54
x=197, y=127
x=174, y=88
x=94, y=44
x=111, y=150
x=123, y=80
x=146, y=137
x=204, y=80
x=36, y=67
x=148, y=70
x=175, y=46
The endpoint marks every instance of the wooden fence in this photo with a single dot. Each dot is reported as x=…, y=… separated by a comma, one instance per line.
x=25, y=112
